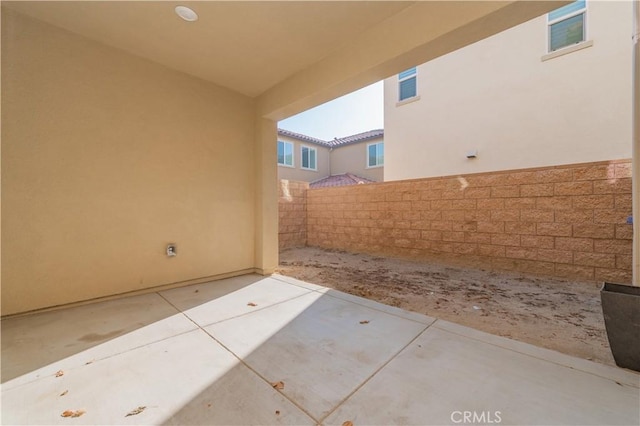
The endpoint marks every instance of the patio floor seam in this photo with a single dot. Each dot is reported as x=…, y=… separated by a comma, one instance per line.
x=241, y=360
x=365, y=381
x=380, y=310
x=246, y=313
x=96, y=360
x=106, y=357
x=541, y=358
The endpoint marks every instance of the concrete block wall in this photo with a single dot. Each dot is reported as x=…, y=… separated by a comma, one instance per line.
x=292, y=206
x=566, y=221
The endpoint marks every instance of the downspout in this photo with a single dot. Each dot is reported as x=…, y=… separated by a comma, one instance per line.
x=635, y=150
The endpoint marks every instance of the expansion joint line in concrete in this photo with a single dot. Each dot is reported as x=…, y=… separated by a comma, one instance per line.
x=241, y=360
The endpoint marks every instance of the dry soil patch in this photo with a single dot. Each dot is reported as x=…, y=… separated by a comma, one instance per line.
x=556, y=314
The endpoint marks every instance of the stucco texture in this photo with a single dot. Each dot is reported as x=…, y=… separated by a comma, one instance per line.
x=499, y=97
x=106, y=159
x=352, y=158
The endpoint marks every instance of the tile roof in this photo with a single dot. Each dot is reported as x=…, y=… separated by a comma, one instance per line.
x=336, y=142
x=339, y=180
x=302, y=137
x=360, y=137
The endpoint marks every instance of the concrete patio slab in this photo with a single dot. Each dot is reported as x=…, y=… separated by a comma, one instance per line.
x=200, y=355
x=186, y=379
x=38, y=345
x=323, y=348
x=299, y=283
x=443, y=376
x=207, y=304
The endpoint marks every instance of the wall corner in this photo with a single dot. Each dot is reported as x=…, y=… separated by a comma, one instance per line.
x=266, y=196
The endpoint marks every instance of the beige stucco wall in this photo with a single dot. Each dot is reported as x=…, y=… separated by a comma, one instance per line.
x=106, y=158
x=266, y=196
x=297, y=172
x=353, y=159
x=499, y=97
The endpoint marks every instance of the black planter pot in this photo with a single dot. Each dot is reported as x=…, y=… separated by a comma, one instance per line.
x=621, y=310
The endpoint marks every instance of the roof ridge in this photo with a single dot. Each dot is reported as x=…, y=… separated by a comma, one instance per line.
x=336, y=142
x=300, y=136
x=358, y=137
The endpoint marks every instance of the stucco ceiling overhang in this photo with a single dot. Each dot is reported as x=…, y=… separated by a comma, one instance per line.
x=290, y=55
x=245, y=46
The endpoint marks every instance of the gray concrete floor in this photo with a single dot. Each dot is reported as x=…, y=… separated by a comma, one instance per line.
x=209, y=353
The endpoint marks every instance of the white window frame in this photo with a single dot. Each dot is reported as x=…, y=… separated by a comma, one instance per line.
x=414, y=75
x=367, y=160
x=310, y=148
x=583, y=11
x=293, y=160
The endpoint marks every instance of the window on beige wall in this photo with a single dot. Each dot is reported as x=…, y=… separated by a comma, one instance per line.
x=407, y=84
x=285, y=154
x=309, y=158
x=375, y=154
x=567, y=25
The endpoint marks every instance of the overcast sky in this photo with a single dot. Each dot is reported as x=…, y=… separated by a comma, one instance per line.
x=357, y=112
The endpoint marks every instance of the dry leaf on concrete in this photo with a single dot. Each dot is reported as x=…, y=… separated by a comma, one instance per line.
x=59, y=373
x=136, y=411
x=251, y=304
x=364, y=322
x=72, y=413
x=278, y=385
x=347, y=423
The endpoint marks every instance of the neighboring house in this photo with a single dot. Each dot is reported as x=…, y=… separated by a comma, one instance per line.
x=554, y=90
x=361, y=154
x=301, y=157
x=353, y=159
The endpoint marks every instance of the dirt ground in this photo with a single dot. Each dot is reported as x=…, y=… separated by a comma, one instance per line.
x=552, y=313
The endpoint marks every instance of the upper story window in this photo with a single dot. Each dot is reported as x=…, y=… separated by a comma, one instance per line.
x=375, y=157
x=567, y=25
x=285, y=154
x=407, y=87
x=309, y=158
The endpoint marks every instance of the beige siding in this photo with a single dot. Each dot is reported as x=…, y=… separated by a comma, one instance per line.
x=345, y=159
x=353, y=159
x=297, y=172
x=500, y=98
x=107, y=158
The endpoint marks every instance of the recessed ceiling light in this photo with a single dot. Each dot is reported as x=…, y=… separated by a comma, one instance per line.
x=187, y=14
